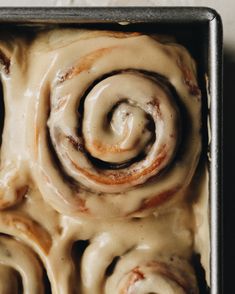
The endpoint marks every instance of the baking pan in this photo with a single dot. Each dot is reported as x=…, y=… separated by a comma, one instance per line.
x=200, y=30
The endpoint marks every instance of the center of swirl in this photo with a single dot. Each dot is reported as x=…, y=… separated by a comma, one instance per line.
x=118, y=135
x=118, y=126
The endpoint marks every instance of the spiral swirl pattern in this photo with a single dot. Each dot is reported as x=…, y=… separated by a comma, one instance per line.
x=115, y=125
x=109, y=140
x=119, y=137
x=14, y=257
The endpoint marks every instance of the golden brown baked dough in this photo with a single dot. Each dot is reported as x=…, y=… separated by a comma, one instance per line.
x=100, y=145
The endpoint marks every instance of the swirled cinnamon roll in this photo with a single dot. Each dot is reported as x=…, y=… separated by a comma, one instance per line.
x=154, y=277
x=95, y=184
x=113, y=119
x=19, y=268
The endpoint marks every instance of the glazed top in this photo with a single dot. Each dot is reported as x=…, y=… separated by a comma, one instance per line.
x=101, y=141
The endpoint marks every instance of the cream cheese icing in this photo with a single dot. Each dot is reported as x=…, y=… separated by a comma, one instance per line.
x=100, y=144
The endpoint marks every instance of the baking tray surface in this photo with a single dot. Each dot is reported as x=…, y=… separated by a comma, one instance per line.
x=197, y=28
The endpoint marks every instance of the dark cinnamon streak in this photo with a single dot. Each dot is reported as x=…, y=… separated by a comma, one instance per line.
x=158, y=199
x=5, y=62
x=156, y=105
x=29, y=228
x=82, y=205
x=188, y=79
x=78, y=146
x=84, y=64
x=120, y=178
x=162, y=269
x=136, y=275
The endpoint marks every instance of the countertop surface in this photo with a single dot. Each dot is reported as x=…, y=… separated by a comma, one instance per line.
x=226, y=9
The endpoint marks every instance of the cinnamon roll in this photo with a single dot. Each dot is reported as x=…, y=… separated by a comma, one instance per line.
x=113, y=119
x=96, y=183
x=20, y=269
x=155, y=277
